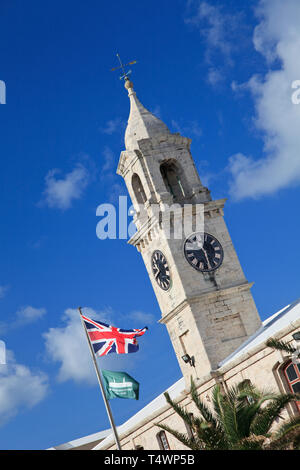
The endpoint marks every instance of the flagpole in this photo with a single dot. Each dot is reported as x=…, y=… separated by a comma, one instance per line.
x=110, y=416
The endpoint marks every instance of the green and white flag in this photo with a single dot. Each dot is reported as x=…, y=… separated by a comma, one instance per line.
x=120, y=385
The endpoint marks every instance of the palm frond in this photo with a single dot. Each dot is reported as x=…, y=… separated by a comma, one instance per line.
x=287, y=436
x=250, y=443
x=294, y=423
x=179, y=409
x=226, y=407
x=192, y=443
x=204, y=410
x=280, y=345
x=264, y=420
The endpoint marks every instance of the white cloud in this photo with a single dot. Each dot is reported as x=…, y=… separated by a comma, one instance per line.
x=277, y=37
x=24, y=316
x=219, y=30
x=216, y=27
x=189, y=129
x=112, y=126
x=214, y=76
x=68, y=346
x=20, y=388
x=109, y=160
x=61, y=192
x=208, y=176
x=143, y=318
x=29, y=314
x=107, y=176
x=3, y=290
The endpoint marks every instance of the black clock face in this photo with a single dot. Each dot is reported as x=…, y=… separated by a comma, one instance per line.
x=203, y=251
x=161, y=270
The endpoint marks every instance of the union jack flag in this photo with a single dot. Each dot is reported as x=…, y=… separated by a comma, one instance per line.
x=107, y=339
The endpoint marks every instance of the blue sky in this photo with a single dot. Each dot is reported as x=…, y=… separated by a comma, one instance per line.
x=218, y=74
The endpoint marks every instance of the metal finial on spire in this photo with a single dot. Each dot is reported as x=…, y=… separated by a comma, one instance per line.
x=122, y=67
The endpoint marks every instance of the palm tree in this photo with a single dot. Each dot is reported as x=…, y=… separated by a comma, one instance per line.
x=287, y=437
x=240, y=419
x=281, y=345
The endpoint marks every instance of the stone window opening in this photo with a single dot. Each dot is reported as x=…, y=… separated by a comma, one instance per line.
x=172, y=177
x=163, y=441
x=138, y=189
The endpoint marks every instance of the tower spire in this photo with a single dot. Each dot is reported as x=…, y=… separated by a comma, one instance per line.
x=142, y=124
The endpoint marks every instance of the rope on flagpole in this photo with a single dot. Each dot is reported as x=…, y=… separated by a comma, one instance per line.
x=108, y=410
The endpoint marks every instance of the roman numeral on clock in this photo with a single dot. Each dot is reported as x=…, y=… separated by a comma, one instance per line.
x=203, y=252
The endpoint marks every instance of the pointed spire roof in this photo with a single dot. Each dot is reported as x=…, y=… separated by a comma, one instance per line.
x=141, y=123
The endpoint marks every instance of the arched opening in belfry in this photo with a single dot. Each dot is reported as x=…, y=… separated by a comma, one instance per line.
x=138, y=189
x=173, y=179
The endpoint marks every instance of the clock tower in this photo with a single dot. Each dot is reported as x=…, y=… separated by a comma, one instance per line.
x=204, y=297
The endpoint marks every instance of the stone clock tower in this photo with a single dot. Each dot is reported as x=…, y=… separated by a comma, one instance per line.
x=204, y=297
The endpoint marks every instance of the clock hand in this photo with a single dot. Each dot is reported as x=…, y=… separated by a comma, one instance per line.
x=206, y=257
x=194, y=246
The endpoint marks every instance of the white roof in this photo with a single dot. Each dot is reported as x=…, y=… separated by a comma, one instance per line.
x=272, y=325
x=91, y=438
x=155, y=405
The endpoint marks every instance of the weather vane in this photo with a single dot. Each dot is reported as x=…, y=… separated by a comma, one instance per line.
x=122, y=67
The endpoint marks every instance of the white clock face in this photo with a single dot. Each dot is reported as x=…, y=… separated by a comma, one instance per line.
x=203, y=252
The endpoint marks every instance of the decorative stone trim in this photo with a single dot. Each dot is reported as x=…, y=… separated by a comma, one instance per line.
x=209, y=293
